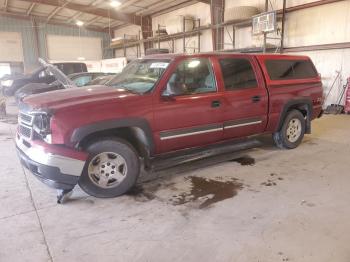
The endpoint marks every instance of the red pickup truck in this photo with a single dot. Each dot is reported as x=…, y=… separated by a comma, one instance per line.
x=98, y=136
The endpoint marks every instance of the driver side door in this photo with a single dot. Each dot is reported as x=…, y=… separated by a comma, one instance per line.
x=189, y=110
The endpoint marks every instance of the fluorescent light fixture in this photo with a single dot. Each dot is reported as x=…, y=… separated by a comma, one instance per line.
x=79, y=23
x=114, y=3
x=80, y=58
x=193, y=63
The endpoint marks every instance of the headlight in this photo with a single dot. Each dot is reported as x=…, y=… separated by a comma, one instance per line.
x=41, y=126
x=7, y=83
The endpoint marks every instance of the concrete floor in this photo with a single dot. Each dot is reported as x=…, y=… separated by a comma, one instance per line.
x=287, y=206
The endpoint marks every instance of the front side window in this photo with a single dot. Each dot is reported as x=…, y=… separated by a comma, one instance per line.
x=140, y=76
x=238, y=73
x=192, y=76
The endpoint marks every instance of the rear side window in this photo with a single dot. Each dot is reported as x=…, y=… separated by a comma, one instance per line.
x=238, y=73
x=290, y=69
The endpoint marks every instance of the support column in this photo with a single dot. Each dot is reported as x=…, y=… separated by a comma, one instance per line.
x=283, y=24
x=146, y=30
x=36, y=39
x=217, y=9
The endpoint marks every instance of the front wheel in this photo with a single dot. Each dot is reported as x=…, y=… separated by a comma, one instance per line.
x=292, y=131
x=111, y=170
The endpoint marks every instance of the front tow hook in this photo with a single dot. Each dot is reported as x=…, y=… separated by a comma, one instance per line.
x=63, y=195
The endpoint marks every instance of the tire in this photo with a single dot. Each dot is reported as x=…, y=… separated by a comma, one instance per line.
x=292, y=131
x=116, y=162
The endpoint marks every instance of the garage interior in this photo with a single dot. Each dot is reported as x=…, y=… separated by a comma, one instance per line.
x=260, y=204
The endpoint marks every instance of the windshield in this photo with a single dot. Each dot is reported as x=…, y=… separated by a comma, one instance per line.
x=101, y=80
x=140, y=76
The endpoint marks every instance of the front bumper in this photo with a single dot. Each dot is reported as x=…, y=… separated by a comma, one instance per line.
x=51, y=164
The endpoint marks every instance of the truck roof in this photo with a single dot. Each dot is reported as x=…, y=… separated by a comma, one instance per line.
x=270, y=56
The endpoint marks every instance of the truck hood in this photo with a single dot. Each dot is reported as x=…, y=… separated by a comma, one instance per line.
x=76, y=96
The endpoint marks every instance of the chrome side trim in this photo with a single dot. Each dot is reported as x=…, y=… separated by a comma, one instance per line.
x=191, y=133
x=68, y=166
x=243, y=124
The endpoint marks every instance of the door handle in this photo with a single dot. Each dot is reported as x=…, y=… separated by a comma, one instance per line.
x=256, y=99
x=215, y=103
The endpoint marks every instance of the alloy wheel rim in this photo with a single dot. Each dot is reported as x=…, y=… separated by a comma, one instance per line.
x=107, y=169
x=293, y=130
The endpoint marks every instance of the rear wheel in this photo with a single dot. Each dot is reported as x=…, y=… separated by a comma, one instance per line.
x=111, y=170
x=292, y=131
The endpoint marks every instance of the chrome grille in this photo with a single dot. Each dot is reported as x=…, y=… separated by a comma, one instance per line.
x=25, y=125
x=25, y=131
x=26, y=119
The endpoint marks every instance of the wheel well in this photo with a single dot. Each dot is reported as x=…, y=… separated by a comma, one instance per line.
x=304, y=108
x=134, y=135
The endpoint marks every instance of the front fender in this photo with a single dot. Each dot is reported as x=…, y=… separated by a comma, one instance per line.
x=82, y=132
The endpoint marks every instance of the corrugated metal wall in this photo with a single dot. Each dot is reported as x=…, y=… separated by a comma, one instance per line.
x=25, y=27
x=28, y=40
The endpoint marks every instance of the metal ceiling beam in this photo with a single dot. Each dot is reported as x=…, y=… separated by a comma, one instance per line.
x=23, y=16
x=74, y=17
x=157, y=5
x=171, y=8
x=128, y=3
x=55, y=11
x=115, y=15
x=92, y=20
x=80, y=13
x=112, y=25
x=30, y=9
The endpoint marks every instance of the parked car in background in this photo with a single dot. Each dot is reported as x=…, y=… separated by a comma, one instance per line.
x=165, y=106
x=11, y=84
x=79, y=80
x=69, y=68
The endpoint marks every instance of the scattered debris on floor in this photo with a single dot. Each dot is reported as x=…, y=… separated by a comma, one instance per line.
x=272, y=181
x=244, y=161
x=141, y=194
x=306, y=203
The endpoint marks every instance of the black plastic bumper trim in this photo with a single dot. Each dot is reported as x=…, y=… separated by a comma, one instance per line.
x=49, y=175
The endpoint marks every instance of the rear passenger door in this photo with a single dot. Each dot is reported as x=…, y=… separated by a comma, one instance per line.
x=245, y=98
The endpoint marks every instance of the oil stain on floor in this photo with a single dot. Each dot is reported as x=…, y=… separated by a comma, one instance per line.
x=208, y=191
x=203, y=191
x=244, y=161
x=141, y=194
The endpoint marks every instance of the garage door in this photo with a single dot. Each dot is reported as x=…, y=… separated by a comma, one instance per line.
x=71, y=48
x=11, y=44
